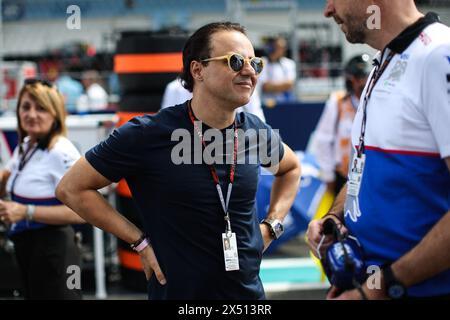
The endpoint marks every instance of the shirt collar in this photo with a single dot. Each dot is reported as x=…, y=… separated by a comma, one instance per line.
x=404, y=39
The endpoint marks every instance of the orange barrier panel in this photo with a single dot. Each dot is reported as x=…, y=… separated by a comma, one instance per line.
x=123, y=189
x=129, y=259
x=148, y=63
x=124, y=117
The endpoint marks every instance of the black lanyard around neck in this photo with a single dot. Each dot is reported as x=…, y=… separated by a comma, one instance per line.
x=379, y=70
x=24, y=159
x=213, y=169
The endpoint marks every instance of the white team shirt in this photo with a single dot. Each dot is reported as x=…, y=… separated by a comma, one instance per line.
x=44, y=170
x=410, y=102
x=405, y=185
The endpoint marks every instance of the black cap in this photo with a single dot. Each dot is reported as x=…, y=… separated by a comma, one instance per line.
x=358, y=66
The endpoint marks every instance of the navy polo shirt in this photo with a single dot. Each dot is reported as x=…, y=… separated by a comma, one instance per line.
x=179, y=204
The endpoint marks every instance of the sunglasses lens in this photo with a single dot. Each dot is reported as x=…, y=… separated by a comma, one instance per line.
x=236, y=62
x=257, y=65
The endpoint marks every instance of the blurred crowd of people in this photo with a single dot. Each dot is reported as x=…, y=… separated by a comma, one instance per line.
x=85, y=96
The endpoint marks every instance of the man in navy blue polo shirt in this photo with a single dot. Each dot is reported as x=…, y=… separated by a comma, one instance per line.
x=193, y=172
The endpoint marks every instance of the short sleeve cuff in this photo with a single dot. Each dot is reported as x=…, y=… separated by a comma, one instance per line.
x=99, y=165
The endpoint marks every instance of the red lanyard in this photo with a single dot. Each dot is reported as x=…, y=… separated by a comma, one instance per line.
x=213, y=170
x=372, y=82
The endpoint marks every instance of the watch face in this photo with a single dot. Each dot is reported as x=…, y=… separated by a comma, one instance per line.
x=278, y=229
x=396, y=291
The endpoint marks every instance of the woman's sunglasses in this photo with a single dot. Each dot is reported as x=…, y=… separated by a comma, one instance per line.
x=32, y=81
x=236, y=62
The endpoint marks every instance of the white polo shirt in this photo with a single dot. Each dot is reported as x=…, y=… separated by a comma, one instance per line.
x=405, y=187
x=36, y=183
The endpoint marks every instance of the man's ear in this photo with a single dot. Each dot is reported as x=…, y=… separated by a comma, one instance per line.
x=197, y=70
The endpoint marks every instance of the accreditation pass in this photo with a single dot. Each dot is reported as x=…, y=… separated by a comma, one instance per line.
x=355, y=176
x=230, y=251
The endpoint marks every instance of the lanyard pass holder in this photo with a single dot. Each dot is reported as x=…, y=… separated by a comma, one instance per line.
x=230, y=250
x=228, y=227
x=361, y=147
x=229, y=240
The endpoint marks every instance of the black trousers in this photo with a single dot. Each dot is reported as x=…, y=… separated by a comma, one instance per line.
x=43, y=256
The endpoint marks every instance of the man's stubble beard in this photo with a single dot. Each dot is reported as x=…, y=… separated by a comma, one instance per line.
x=356, y=32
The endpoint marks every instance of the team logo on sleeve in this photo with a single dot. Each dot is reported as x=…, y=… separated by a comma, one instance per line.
x=448, y=58
x=425, y=38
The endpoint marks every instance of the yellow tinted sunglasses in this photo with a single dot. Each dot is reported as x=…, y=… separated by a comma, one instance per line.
x=236, y=62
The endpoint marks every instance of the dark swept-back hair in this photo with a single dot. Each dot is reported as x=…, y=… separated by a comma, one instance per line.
x=198, y=47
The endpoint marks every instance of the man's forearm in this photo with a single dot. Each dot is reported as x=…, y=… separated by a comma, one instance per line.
x=94, y=209
x=78, y=190
x=284, y=191
x=338, y=206
x=429, y=258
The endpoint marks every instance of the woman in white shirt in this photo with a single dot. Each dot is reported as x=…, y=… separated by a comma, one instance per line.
x=39, y=224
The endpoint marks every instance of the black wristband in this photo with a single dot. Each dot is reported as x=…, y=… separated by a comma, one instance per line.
x=336, y=216
x=393, y=287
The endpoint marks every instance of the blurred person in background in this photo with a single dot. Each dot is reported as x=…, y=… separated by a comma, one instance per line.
x=95, y=97
x=333, y=133
x=71, y=90
x=175, y=94
x=39, y=224
x=277, y=81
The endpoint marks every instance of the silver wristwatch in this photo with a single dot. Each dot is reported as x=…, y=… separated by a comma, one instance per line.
x=275, y=226
x=31, y=208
